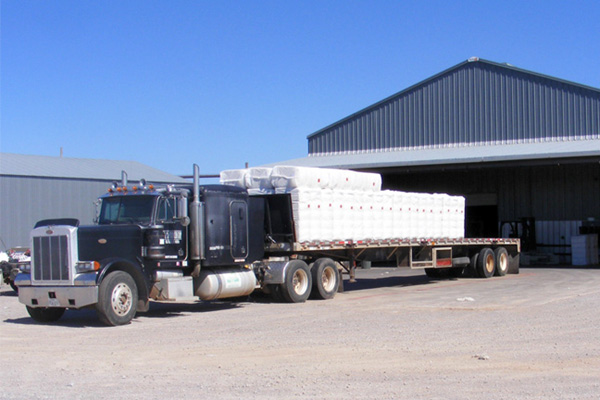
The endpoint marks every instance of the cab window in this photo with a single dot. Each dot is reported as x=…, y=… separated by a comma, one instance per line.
x=166, y=209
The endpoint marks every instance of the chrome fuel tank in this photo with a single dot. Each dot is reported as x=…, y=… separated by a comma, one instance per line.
x=223, y=283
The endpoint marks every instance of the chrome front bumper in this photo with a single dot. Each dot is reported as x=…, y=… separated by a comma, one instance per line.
x=85, y=293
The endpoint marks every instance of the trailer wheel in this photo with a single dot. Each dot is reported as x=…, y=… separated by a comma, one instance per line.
x=117, y=299
x=42, y=314
x=297, y=283
x=486, y=265
x=501, y=257
x=326, y=279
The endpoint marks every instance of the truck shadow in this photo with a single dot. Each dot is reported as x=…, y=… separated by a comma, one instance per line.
x=87, y=318
x=392, y=281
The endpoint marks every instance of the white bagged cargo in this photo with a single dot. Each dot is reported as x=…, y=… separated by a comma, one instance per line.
x=304, y=211
x=335, y=205
x=234, y=177
x=258, y=178
x=286, y=178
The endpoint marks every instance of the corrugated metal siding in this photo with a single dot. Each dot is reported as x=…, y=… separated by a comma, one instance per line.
x=28, y=200
x=472, y=103
x=81, y=168
x=555, y=237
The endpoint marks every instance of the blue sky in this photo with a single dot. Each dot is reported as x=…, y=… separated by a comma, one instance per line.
x=221, y=83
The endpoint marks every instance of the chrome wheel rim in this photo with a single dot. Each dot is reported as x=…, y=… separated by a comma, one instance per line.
x=489, y=264
x=328, y=279
x=502, y=262
x=300, y=281
x=121, y=299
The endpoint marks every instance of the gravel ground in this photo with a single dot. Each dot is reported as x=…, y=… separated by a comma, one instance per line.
x=394, y=334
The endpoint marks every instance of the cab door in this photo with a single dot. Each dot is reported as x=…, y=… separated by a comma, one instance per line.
x=174, y=233
x=238, y=212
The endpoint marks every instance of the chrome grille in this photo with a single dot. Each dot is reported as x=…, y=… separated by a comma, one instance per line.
x=50, y=258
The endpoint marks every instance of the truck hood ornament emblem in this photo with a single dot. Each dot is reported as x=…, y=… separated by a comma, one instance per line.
x=102, y=241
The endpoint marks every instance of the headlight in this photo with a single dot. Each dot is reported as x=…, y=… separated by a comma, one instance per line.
x=87, y=266
x=26, y=268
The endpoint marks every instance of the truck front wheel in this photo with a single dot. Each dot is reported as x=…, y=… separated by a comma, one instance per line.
x=117, y=299
x=42, y=314
x=297, y=283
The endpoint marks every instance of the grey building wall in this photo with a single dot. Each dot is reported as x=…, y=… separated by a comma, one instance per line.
x=476, y=101
x=26, y=200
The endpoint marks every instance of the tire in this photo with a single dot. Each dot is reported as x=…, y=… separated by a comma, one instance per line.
x=486, y=263
x=297, y=282
x=117, y=299
x=42, y=314
x=14, y=287
x=502, y=261
x=325, y=278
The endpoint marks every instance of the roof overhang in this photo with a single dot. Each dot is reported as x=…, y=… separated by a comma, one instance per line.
x=459, y=156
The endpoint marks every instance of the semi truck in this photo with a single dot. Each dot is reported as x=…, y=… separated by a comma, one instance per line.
x=207, y=242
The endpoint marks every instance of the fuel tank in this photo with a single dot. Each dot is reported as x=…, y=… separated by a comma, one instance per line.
x=224, y=282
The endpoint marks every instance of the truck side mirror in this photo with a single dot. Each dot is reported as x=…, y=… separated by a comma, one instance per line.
x=182, y=211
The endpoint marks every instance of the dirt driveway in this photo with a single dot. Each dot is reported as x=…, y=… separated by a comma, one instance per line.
x=394, y=334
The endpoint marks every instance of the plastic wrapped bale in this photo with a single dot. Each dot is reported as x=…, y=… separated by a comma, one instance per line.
x=387, y=210
x=287, y=178
x=305, y=214
x=400, y=216
x=326, y=214
x=259, y=178
x=234, y=177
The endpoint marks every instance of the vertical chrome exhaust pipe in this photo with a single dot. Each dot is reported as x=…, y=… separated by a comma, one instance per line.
x=196, y=222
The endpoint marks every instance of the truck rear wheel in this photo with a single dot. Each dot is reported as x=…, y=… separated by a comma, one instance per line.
x=117, y=299
x=42, y=314
x=326, y=279
x=486, y=263
x=297, y=283
x=501, y=257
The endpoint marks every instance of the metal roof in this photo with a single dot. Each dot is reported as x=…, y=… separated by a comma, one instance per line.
x=80, y=168
x=474, y=101
x=465, y=154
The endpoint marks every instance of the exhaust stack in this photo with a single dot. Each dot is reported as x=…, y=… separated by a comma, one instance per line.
x=196, y=222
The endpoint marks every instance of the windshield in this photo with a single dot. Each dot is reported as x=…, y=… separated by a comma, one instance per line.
x=126, y=210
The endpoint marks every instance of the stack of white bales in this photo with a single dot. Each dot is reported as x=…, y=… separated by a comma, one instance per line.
x=336, y=205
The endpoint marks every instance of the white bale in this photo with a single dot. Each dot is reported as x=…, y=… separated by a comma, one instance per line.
x=326, y=214
x=259, y=178
x=305, y=213
x=339, y=214
x=363, y=225
x=234, y=177
x=370, y=181
x=377, y=215
x=387, y=210
x=286, y=178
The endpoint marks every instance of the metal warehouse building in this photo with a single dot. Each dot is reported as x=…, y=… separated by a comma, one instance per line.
x=523, y=148
x=33, y=188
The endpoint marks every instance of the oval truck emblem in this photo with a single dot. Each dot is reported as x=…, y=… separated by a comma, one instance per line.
x=49, y=232
x=102, y=241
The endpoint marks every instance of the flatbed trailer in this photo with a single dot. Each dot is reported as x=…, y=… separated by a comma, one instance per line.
x=213, y=242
